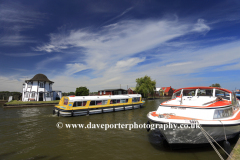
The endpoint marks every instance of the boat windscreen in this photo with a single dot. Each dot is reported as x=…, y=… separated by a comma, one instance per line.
x=177, y=94
x=234, y=100
x=65, y=101
x=205, y=92
x=189, y=92
x=224, y=95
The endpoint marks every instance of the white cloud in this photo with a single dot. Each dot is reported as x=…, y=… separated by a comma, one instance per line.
x=200, y=26
x=15, y=19
x=115, y=42
x=74, y=68
x=42, y=64
x=129, y=62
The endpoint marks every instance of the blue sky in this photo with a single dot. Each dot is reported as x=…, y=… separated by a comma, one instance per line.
x=102, y=44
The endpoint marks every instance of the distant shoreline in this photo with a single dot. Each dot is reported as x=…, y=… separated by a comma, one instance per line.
x=29, y=105
x=16, y=104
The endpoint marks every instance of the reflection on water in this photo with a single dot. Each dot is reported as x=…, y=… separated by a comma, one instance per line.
x=31, y=133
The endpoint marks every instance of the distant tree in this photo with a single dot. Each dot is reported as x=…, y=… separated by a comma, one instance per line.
x=82, y=91
x=71, y=93
x=215, y=85
x=145, y=86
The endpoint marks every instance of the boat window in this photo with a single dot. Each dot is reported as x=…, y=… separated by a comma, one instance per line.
x=79, y=103
x=92, y=103
x=98, y=102
x=113, y=101
x=104, y=102
x=189, y=92
x=124, y=100
x=223, y=113
x=65, y=101
x=205, y=92
x=224, y=95
x=136, y=99
x=118, y=100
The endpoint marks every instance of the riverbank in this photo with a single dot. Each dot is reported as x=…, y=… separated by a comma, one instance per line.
x=235, y=154
x=16, y=103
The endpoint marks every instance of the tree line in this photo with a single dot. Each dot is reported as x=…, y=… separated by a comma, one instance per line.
x=4, y=95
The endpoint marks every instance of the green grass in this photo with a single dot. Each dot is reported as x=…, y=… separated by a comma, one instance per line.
x=15, y=102
x=236, y=152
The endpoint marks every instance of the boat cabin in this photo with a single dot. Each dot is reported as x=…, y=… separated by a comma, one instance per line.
x=201, y=103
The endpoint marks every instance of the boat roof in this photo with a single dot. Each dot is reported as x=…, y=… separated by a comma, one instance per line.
x=82, y=98
x=202, y=87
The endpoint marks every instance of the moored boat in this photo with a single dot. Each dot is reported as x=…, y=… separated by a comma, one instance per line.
x=85, y=105
x=215, y=110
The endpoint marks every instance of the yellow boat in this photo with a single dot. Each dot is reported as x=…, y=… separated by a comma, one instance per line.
x=85, y=105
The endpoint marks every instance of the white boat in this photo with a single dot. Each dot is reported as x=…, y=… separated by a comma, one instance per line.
x=216, y=110
x=85, y=105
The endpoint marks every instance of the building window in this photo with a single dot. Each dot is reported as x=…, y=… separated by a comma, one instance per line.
x=33, y=95
x=41, y=85
x=47, y=94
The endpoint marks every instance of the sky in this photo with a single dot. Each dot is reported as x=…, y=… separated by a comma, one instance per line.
x=108, y=43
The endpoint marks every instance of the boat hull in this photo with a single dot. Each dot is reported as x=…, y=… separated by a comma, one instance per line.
x=195, y=135
x=70, y=113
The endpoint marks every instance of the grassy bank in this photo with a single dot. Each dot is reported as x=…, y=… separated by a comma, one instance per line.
x=236, y=151
x=15, y=102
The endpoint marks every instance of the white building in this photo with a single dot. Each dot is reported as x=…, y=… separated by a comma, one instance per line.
x=39, y=88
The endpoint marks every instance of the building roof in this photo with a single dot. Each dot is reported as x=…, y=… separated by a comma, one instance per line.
x=166, y=89
x=113, y=89
x=40, y=77
x=133, y=88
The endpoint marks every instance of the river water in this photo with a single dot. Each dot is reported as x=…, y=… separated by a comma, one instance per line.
x=31, y=133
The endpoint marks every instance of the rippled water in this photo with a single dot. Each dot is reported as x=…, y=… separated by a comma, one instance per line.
x=31, y=133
